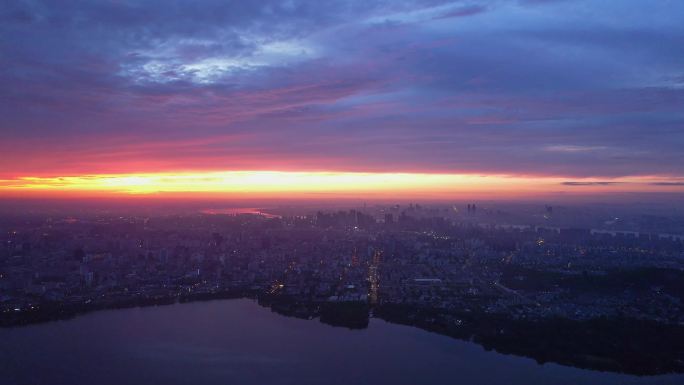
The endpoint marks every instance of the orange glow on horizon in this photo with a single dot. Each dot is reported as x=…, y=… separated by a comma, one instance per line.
x=281, y=183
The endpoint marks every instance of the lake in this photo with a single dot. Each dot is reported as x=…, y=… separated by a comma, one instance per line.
x=240, y=342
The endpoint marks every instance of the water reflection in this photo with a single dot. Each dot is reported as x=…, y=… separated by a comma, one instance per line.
x=238, y=341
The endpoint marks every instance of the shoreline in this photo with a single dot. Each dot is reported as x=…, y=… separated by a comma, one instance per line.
x=562, y=341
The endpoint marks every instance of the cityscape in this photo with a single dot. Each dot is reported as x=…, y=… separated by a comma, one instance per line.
x=341, y=192
x=464, y=271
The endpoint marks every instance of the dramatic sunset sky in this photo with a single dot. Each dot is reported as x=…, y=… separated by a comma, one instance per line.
x=375, y=98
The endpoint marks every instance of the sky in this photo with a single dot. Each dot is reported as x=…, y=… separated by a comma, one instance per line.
x=366, y=97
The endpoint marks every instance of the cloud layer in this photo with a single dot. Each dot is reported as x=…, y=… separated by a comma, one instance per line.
x=569, y=88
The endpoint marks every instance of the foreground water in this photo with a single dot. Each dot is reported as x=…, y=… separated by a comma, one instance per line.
x=240, y=342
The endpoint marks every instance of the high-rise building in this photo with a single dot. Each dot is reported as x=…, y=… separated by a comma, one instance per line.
x=389, y=218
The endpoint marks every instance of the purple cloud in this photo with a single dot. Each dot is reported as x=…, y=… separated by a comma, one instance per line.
x=430, y=86
x=602, y=183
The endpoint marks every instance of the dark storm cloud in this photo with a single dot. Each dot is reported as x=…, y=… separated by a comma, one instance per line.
x=567, y=88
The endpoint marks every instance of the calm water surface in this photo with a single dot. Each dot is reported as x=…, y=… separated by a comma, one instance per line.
x=239, y=342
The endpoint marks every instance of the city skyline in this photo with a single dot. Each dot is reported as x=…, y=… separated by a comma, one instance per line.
x=341, y=192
